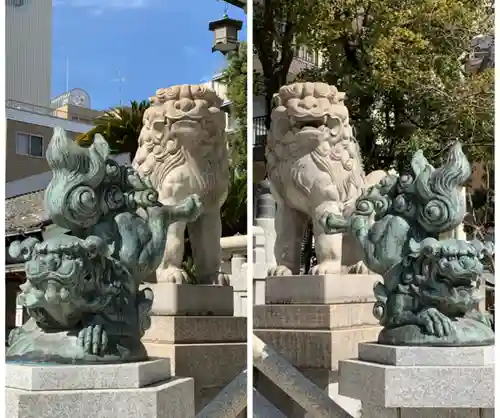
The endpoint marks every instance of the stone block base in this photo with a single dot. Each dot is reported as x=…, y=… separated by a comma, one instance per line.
x=111, y=391
x=188, y=299
x=372, y=411
x=210, y=349
x=314, y=322
x=422, y=382
x=324, y=379
x=317, y=348
x=326, y=289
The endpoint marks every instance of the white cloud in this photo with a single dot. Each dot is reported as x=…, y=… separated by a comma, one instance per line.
x=99, y=6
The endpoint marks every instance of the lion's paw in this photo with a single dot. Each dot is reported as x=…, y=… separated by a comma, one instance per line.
x=435, y=323
x=213, y=279
x=223, y=279
x=172, y=275
x=326, y=267
x=279, y=271
x=93, y=339
x=358, y=268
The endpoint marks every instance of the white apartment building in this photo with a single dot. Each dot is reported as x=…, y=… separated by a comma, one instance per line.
x=28, y=51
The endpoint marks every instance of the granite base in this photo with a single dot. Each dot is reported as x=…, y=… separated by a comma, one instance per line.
x=99, y=391
x=410, y=382
x=189, y=299
x=210, y=349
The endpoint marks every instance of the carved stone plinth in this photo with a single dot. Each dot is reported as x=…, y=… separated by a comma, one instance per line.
x=408, y=382
x=188, y=299
x=211, y=349
x=314, y=322
x=143, y=389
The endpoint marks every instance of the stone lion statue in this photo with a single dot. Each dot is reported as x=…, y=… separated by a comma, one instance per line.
x=314, y=166
x=82, y=290
x=182, y=150
x=430, y=291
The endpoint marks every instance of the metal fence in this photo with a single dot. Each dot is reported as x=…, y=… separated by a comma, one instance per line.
x=259, y=131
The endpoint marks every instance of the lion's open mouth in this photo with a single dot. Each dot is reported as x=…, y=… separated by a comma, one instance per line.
x=308, y=124
x=461, y=283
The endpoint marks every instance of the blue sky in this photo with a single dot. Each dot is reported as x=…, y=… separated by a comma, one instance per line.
x=153, y=43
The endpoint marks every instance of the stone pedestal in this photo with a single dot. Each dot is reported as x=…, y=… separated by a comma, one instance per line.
x=209, y=348
x=421, y=382
x=188, y=299
x=100, y=391
x=314, y=322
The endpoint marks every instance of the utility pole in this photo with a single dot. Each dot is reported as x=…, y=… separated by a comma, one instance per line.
x=120, y=79
x=67, y=73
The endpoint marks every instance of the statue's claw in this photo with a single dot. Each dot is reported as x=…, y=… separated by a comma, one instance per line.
x=93, y=339
x=172, y=275
x=187, y=211
x=333, y=223
x=327, y=267
x=279, y=271
x=435, y=323
x=358, y=268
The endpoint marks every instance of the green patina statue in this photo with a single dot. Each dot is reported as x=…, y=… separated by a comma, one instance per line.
x=430, y=294
x=82, y=290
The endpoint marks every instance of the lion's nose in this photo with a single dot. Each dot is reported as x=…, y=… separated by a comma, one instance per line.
x=308, y=103
x=184, y=105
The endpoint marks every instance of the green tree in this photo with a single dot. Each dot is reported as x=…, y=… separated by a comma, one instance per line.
x=278, y=27
x=402, y=65
x=235, y=208
x=235, y=78
x=120, y=127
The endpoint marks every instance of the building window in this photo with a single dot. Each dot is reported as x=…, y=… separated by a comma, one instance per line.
x=27, y=144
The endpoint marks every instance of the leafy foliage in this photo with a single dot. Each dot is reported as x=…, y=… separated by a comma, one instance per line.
x=235, y=208
x=120, y=127
x=280, y=25
x=235, y=78
x=402, y=65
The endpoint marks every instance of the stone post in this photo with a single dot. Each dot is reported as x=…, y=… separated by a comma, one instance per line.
x=421, y=382
x=265, y=214
x=314, y=322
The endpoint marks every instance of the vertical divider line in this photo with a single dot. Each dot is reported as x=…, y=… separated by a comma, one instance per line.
x=250, y=206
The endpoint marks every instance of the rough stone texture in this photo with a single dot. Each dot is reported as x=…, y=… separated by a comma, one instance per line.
x=182, y=149
x=210, y=349
x=196, y=329
x=325, y=379
x=418, y=386
x=321, y=289
x=69, y=377
x=426, y=356
x=188, y=299
x=440, y=413
x=314, y=316
x=170, y=399
x=318, y=348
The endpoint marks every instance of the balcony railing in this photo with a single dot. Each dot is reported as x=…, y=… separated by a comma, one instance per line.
x=42, y=110
x=259, y=131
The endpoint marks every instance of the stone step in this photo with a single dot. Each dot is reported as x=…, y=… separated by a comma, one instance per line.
x=189, y=299
x=196, y=329
x=313, y=316
x=318, y=348
x=212, y=364
x=321, y=289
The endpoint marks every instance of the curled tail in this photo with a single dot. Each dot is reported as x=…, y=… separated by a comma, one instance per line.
x=145, y=298
x=380, y=306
